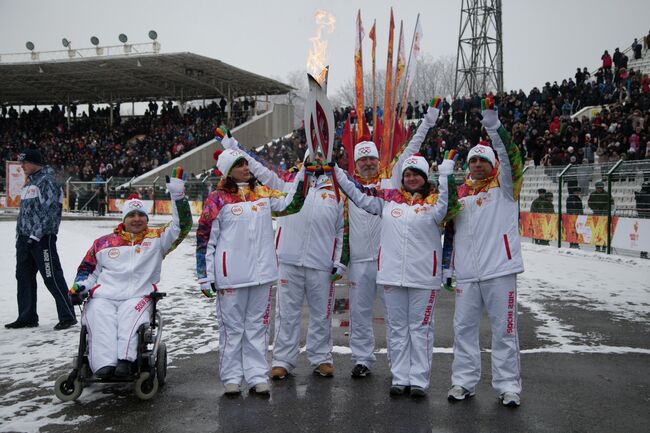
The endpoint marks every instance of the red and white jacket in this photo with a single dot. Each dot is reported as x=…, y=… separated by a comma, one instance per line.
x=234, y=240
x=313, y=237
x=122, y=265
x=410, y=252
x=486, y=241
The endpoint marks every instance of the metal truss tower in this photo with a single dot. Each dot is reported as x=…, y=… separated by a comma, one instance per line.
x=479, y=60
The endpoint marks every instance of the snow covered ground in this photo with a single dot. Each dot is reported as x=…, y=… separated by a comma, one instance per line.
x=30, y=359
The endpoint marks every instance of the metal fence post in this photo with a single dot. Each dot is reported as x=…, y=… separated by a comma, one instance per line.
x=559, y=204
x=609, y=204
x=519, y=198
x=154, y=195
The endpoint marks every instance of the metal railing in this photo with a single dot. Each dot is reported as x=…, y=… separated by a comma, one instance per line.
x=609, y=191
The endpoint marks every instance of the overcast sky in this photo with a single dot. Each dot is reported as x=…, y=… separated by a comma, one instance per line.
x=543, y=40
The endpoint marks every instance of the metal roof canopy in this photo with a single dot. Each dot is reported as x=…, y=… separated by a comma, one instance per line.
x=127, y=78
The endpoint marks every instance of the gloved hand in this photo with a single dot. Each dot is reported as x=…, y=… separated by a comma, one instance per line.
x=208, y=289
x=446, y=279
x=338, y=271
x=78, y=292
x=223, y=136
x=433, y=111
x=176, y=184
x=490, y=118
x=446, y=167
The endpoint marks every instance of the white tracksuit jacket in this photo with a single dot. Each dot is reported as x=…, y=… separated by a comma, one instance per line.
x=487, y=257
x=120, y=270
x=235, y=251
x=409, y=262
x=486, y=241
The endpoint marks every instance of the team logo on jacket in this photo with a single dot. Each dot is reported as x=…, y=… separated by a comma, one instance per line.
x=237, y=210
x=146, y=245
x=396, y=213
x=113, y=253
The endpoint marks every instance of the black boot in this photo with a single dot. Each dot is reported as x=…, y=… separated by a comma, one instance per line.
x=123, y=368
x=105, y=372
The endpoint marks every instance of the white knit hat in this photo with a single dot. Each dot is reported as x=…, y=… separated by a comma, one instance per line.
x=365, y=148
x=416, y=162
x=227, y=159
x=484, y=152
x=134, y=204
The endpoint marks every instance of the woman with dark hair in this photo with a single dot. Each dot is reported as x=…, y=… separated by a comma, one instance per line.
x=235, y=256
x=409, y=262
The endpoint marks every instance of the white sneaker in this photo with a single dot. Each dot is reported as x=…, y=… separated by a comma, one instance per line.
x=232, y=389
x=262, y=388
x=458, y=393
x=510, y=399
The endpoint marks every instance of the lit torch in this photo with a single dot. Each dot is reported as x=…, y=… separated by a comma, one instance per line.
x=319, y=116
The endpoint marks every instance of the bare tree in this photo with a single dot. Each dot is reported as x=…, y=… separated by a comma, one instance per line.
x=434, y=77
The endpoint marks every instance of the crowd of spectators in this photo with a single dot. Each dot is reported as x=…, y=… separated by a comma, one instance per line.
x=94, y=147
x=90, y=148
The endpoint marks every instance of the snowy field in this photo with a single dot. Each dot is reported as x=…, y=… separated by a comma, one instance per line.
x=31, y=359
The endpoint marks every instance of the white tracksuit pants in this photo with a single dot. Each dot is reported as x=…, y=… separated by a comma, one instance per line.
x=113, y=329
x=244, y=316
x=295, y=283
x=362, y=278
x=410, y=317
x=499, y=296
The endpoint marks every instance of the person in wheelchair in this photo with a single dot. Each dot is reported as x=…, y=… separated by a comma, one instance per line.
x=117, y=275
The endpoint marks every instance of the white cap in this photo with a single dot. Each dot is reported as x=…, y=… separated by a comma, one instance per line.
x=365, y=148
x=484, y=152
x=227, y=159
x=133, y=204
x=416, y=162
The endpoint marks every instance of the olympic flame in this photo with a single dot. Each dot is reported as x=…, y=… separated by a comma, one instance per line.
x=317, y=58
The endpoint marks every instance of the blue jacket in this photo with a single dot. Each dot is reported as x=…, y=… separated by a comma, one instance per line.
x=41, y=202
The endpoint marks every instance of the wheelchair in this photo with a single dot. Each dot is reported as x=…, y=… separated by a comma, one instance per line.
x=150, y=365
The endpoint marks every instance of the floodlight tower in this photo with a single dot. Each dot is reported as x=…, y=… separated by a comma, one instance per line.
x=479, y=60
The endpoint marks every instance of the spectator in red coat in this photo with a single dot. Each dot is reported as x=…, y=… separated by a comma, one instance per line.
x=607, y=60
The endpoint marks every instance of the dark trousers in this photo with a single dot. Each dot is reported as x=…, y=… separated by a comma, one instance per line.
x=40, y=257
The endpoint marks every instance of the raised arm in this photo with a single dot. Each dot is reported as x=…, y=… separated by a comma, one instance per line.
x=511, y=166
x=367, y=198
x=412, y=146
x=447, y=206
x=265, y=175
x=283, y=204
x=173, y=233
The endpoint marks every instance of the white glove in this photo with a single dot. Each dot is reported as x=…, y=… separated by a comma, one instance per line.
x=432, y=116
x=338, y=271
x=229, y=142
x=176, y=188
x=208, y=289
x=446, y=167
x=446, y=279
x=490, y=120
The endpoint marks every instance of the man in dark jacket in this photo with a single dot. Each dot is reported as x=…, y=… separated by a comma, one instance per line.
x=541, y=205
x=574, y=207
x=38, y=224
x=643, y=205
x=597, y=202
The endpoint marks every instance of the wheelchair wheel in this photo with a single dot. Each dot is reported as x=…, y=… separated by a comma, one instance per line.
x=64, y=391
x=145, y=388
x=161, y=364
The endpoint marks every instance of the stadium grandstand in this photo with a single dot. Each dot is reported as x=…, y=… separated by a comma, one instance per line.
x=99, y=143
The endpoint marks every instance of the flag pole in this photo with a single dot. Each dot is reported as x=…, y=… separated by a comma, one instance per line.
x=408, y=70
